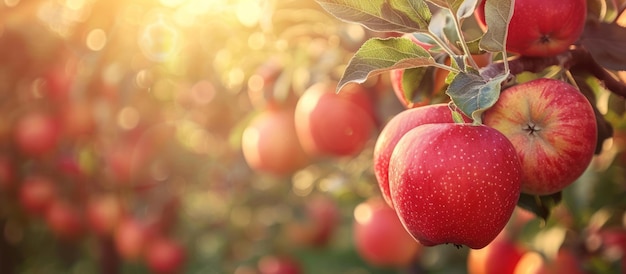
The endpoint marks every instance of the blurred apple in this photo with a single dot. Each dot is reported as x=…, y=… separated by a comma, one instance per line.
x=321, y=219
x=78, y=120
x=499, y=257
x=165, y=256
x=274, y=264
x=37, y=194
x=379, y=236
x=270, y=144
x=64, y=220
x=331, y=124
x=131, y=237
x=104, y=212
x=36, y=133
x=533, y=262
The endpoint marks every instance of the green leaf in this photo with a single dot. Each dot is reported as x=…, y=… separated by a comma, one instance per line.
x=378, y=55
x=417, y=84
x=442, y=25
x=381, y=15
x=497, y=16
x=473, y=95
x=539, y=205
x=461, y=8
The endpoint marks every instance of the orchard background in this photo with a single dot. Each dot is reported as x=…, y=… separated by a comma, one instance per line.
x=130, y=142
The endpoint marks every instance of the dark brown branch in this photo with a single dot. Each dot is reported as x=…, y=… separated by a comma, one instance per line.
x=578, y=59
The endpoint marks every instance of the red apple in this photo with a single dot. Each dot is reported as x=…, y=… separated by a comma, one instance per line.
x=395, y=129
x=270, y=143
x=64, y=220
x=36, y=133
x=36, y=194
x=379, y=236
x=165, y=256
x=499, y=257
x=331, y=124
x=454, y=183
x=553, y=128
x=274, y=264
x=104, y=212
x=610, y=243
x=542, y=27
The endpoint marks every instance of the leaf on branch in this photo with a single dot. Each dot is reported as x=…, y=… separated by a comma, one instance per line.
x=606, y=43
x=497, y=16
x=473, y=95
x=378, y=55
x=540, y=205
x=442, y=25
x=381, y=15
x=461, y=8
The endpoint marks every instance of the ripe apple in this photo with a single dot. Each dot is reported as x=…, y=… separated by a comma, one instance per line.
x=64, y=220
x=499, y=257
x=331, y=124
x=36, y=133
x=278, y=264
x=379, y=236
x=37, y=194
x=270, y=143
x=104, y=212
x=165, y=256
x=533, y=262
x=395, y=129
x=542, y=27
x=454, y=183
x=553, y=128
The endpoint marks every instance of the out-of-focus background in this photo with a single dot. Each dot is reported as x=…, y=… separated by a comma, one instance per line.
x=121, y=131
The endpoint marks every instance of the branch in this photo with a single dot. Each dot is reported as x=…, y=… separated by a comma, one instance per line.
x=577, y=59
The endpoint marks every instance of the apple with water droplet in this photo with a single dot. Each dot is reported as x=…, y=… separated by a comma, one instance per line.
x=454, y=183
x=553, y=128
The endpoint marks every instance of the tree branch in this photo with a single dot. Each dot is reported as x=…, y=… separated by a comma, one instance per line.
x=577, y=59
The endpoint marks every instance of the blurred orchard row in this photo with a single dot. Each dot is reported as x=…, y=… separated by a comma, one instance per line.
x=173, y=136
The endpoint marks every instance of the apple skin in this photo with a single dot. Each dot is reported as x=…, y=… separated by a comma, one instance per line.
x=454, y=183
x=499, y=257
x=270, y=144
x=165, y=256
x=103, y=213
x=36, y=134
x=553, y=128
x=395, y=129
x=379, y=236
x=542, y=27
x=331, y=124
x=130, y=238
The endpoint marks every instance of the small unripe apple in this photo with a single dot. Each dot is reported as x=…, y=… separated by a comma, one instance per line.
x=454, y=183
x=331, y=124
x=395, y=129
x=542, y=27
x=553, y=128
x=379, y=236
